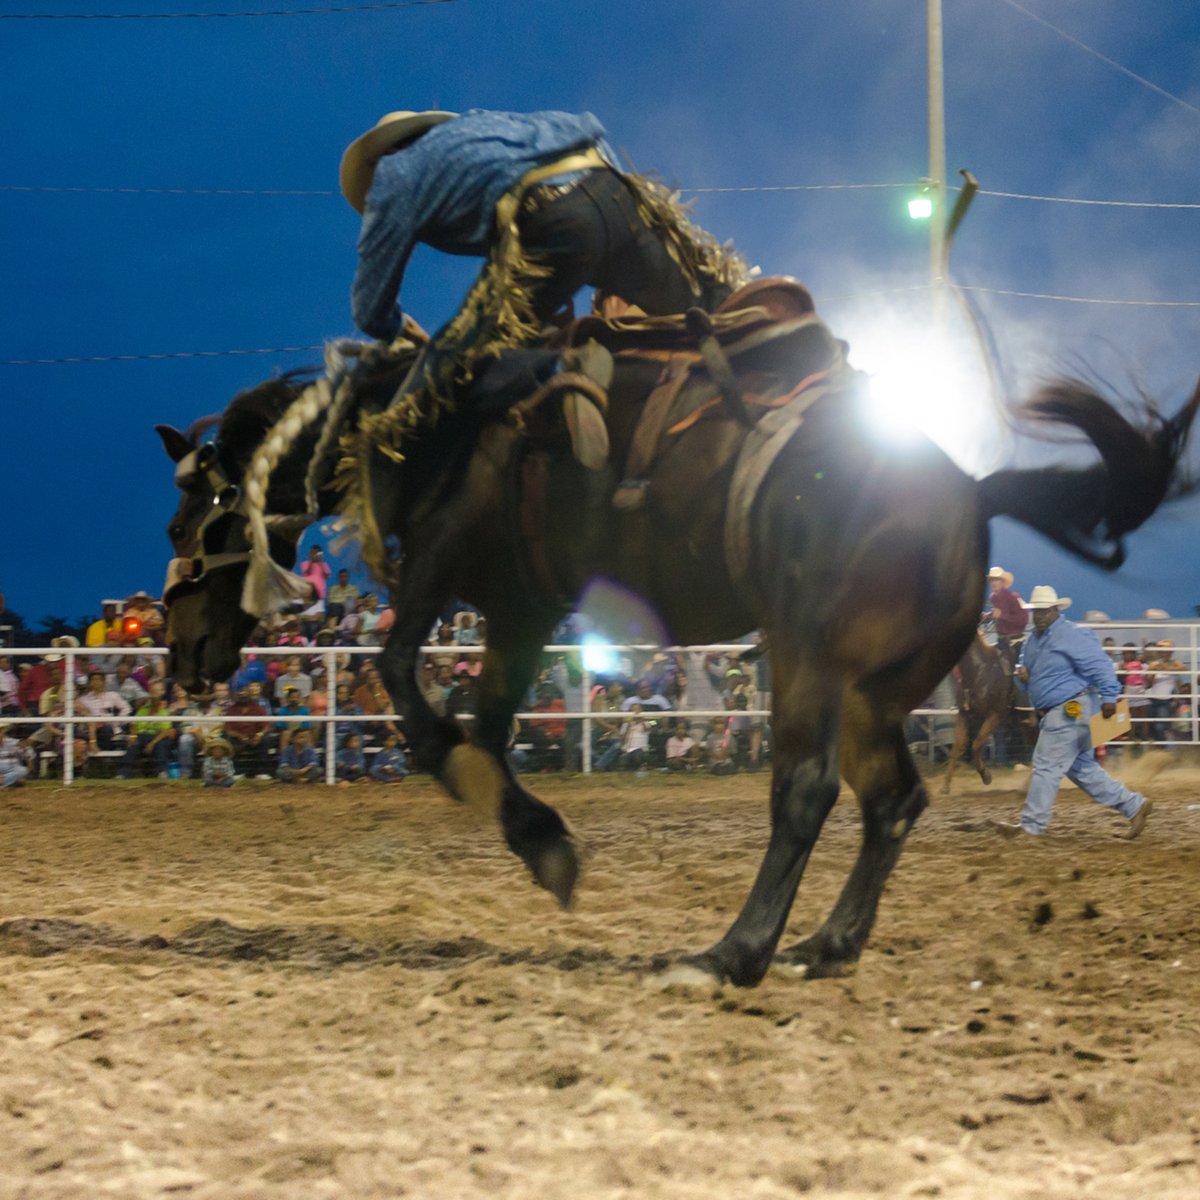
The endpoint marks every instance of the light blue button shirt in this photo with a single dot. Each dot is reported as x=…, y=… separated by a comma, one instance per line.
x=443, y=191
x=1064, y=661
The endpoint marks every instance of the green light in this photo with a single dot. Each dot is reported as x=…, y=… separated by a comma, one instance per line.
x=920, y=208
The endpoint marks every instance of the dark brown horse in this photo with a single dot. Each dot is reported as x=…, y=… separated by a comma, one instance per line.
x=984, y=694
x=861, y=564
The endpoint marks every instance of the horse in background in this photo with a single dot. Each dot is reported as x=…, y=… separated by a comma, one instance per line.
x=985, y=696
x=860, y=565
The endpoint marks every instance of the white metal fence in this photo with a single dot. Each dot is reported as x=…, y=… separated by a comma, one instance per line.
x=1180, y=725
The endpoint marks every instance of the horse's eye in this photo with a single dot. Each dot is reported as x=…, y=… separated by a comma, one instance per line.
x=175, y=531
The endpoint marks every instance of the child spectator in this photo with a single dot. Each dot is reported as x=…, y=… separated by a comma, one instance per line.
x=218, y=763
x=635, y=740
x=682, y=751
x=13, y=756
x=350, y=763
x=391, y=762
x=298, y=762
x=718, y=746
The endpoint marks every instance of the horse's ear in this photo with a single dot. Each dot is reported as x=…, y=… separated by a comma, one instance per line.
x=174, y=443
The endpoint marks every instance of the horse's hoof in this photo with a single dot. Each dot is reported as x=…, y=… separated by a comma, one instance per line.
x=687, y=975
x=816, y=959
x=557, y=870
x=985, y=775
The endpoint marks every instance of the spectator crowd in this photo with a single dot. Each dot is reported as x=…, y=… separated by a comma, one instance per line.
x=683, y=711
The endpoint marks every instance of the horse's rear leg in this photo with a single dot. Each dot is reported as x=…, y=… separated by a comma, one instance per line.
x=534, y=831
x=804, y=787
x=877, y=765
x=990, y=722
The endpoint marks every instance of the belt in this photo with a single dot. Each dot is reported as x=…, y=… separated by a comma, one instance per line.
x=543, y=194
x=510, y=203
x=1041, y=712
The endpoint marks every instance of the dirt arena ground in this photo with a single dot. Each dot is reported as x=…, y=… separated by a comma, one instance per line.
x=287, y=992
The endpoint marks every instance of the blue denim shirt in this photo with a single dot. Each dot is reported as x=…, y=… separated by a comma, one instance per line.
x=443, y=190
x=1064, y=661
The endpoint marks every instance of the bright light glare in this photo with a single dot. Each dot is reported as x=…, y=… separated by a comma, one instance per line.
x=921, y=386
x=920, y=208
x=599, y=657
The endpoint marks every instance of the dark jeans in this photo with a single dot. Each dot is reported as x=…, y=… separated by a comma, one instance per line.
x=138, y=749
x=592, y=236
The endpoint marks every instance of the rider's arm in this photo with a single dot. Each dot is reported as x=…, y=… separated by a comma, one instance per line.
x=385, y=245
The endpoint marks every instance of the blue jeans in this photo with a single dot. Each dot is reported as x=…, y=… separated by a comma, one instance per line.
x=1064, y=747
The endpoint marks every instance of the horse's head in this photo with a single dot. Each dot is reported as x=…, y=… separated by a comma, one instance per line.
x=206, y=625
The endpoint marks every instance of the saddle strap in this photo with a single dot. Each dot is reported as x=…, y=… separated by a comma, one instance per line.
x=762, y=446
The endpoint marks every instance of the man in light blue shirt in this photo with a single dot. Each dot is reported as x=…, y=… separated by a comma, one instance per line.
x=1069, y=679
x=541, y=198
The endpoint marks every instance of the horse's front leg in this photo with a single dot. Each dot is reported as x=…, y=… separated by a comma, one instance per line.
x=535, y=832
x=962, y=735
x=431, y=737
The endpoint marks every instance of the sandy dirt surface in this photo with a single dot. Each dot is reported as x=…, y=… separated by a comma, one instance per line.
x=310, y=992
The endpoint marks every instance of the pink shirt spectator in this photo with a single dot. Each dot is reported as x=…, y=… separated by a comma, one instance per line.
x=316, y=570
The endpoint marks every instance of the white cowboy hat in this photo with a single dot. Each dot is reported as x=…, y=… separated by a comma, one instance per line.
x=1006, y=577
x=358, y=162
x=1046, y=597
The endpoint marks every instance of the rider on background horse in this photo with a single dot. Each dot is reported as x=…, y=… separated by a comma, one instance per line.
x=541, y=197
x=1007, y=615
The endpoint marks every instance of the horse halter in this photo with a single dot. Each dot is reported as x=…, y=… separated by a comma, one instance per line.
x=189, y=573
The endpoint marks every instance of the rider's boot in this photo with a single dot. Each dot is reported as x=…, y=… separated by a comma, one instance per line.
x=584, y=407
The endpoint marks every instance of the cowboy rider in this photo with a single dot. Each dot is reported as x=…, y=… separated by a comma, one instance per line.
x=1007, y=614
x=538, y=195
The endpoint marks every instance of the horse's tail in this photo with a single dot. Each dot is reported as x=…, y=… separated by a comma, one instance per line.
x=1088, y=510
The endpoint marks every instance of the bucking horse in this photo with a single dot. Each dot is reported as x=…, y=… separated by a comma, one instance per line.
x=743, y=487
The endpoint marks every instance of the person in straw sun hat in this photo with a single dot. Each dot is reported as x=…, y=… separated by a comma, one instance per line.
x=1069, y=678
x=541, y=198
x=1003, y=608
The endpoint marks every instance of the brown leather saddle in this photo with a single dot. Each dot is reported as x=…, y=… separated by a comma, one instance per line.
x=766, y=341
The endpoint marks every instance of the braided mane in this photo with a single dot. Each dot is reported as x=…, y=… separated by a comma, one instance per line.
x=252, y=413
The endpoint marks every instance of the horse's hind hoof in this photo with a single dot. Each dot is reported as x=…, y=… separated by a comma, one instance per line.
x=814, y=958
x=684, y=976
x=985, y=775
x=557, y=870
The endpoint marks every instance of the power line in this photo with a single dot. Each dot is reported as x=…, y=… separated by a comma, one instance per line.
x=691, y=191
x=152, y=191
x=99, y=358
x=1076, y=200
x=990, y=291
x=1081, y=299
x=1103, y=57
x=193, y=16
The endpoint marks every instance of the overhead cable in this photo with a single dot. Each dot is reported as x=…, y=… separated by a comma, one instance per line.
x=691, y=191
x=192, y=16
x=99, y=358
x=1081, y=299
x=1112, y=62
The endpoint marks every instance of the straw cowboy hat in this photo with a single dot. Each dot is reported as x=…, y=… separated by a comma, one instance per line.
x=358, y=162
x=217, y=743
x=1006, y=577
x=1046, y=597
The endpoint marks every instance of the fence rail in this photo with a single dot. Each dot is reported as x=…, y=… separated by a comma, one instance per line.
x=1182, y=724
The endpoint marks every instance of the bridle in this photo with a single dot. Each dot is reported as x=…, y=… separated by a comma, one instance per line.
x=185, y=575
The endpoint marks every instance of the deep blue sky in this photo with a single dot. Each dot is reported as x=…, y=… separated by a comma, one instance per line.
x=707, y=93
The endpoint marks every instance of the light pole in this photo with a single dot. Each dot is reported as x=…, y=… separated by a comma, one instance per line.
x=937, y=159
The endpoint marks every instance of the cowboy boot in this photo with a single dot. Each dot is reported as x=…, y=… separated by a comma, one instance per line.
x=583, y=410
